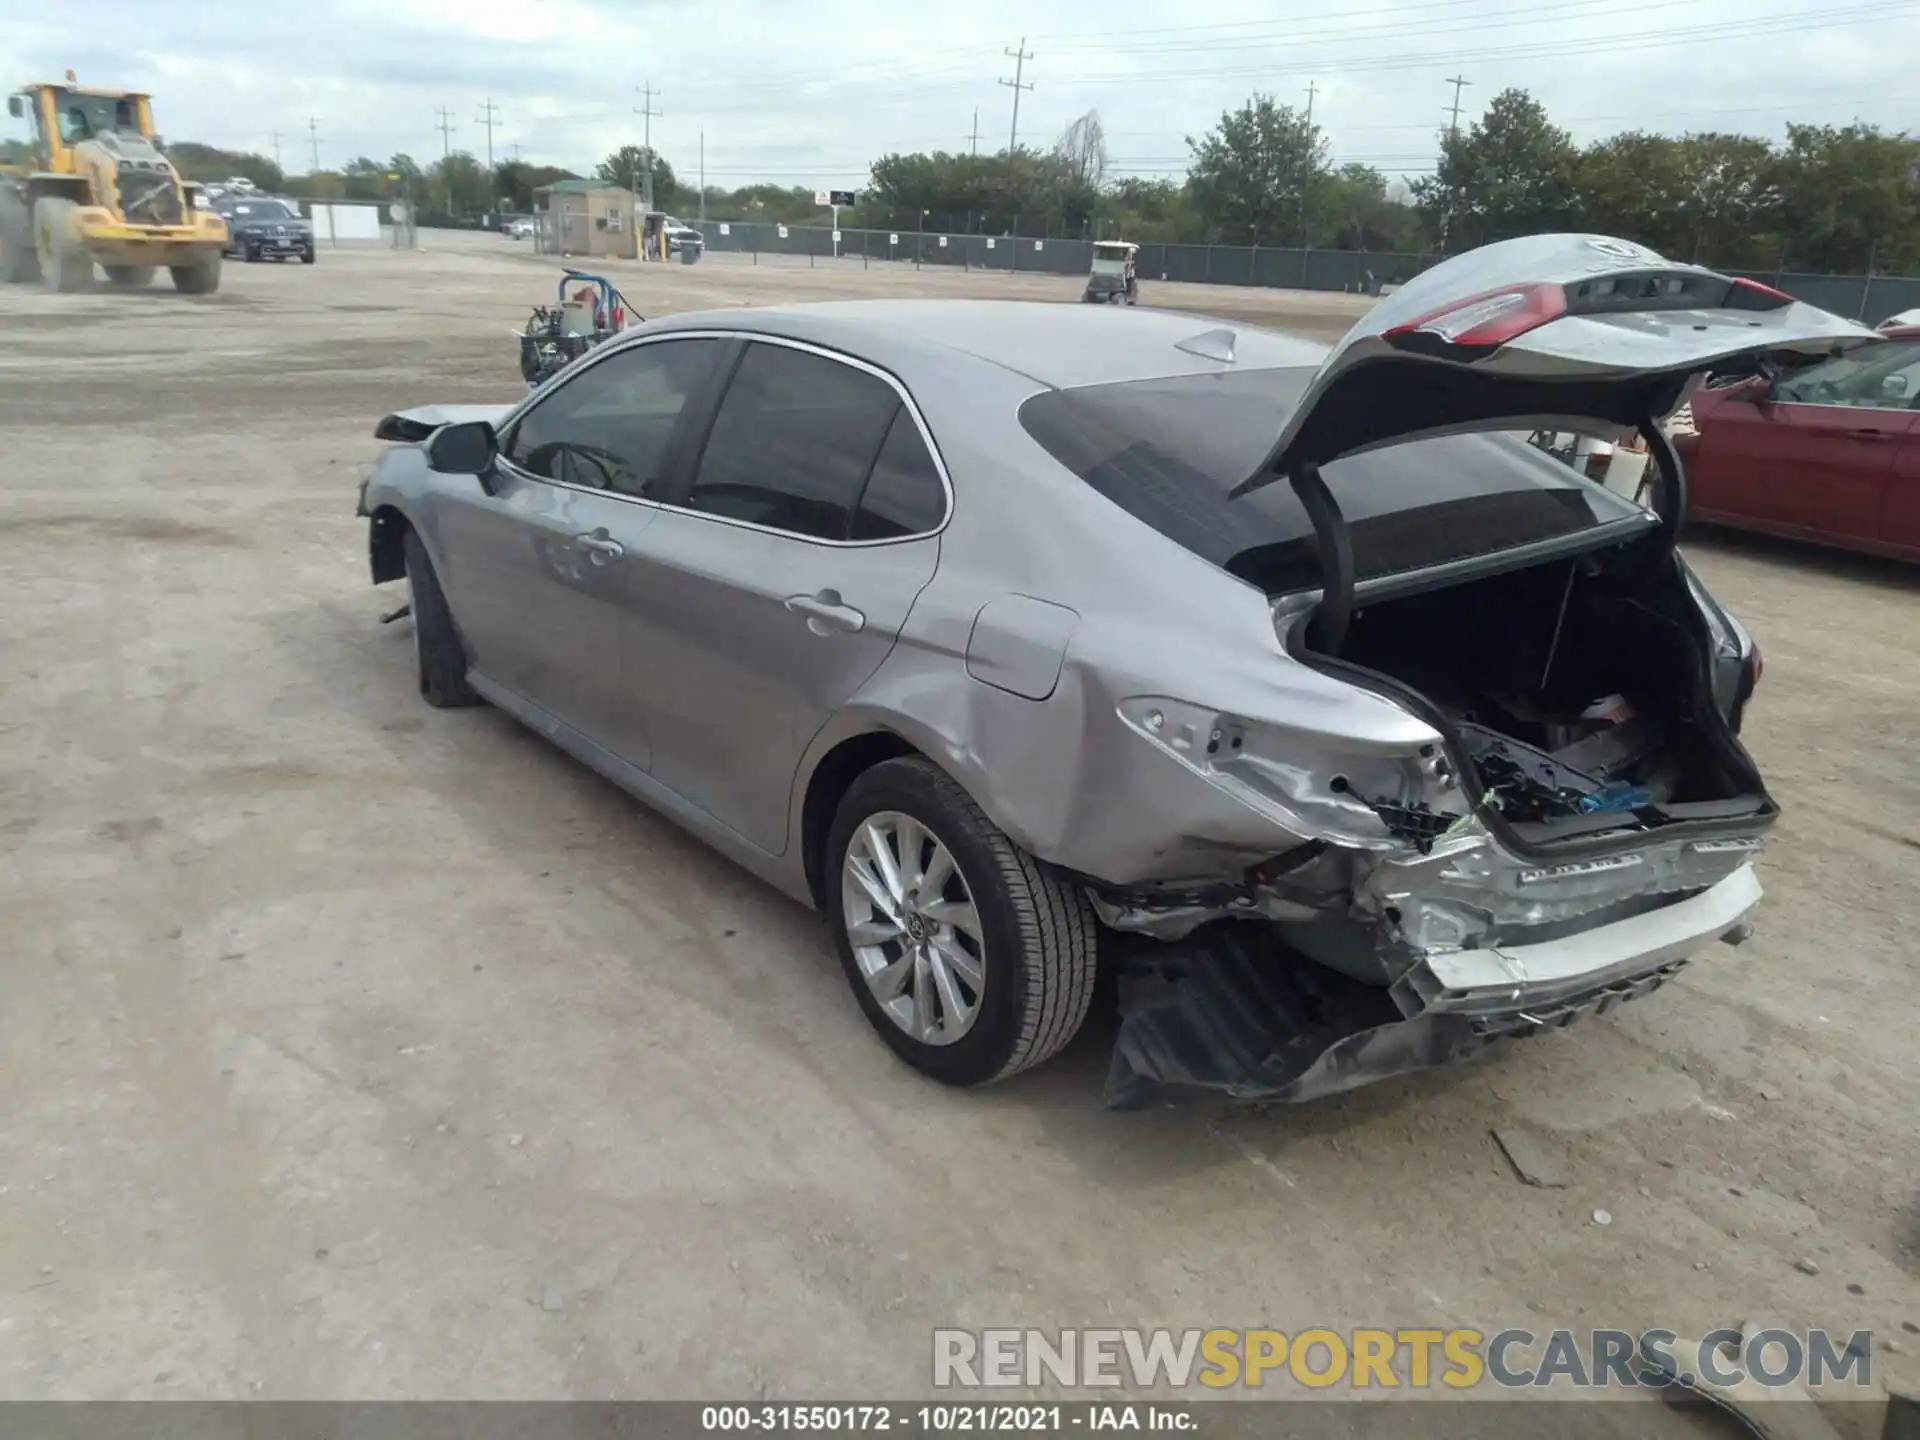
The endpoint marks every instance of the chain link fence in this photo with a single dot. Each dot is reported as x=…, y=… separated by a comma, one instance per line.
x=1871, y=298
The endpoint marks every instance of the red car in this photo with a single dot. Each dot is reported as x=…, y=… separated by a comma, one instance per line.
x=1830, y=453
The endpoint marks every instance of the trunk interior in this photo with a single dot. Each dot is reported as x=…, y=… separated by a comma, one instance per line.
x=1581, y=696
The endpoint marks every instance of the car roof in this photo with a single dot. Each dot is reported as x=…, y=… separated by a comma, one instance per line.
x=1061, y=345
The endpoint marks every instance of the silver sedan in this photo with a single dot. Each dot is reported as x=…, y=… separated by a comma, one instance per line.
x=1023, y=640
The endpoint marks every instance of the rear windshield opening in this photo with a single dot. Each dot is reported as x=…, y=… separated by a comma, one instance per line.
x=1169, y=451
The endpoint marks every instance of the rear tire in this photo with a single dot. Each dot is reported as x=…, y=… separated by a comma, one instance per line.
x=65, y=265
x=130, y=276
x=200, y=278
x=18, y=262
x=439, y=653
x=1031, y=935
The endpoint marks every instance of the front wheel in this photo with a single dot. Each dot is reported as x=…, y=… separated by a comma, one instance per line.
x=66, y=264
x=971, y=958
x=439, y=654
x=307, y=257
x=200, y=278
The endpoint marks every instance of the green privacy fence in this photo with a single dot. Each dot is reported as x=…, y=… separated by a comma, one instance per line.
x=1863, y=297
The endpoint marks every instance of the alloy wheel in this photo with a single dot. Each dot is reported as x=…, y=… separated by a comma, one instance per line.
x=912, y=925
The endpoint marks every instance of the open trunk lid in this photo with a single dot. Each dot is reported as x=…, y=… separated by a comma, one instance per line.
x=1549, y=330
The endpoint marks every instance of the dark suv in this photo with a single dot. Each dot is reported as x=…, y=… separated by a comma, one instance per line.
x=260, y=227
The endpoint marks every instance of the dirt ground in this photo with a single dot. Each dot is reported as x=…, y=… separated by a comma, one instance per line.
x=354, y=1049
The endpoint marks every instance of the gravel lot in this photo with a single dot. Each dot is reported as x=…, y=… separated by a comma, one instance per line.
x=354, y=1049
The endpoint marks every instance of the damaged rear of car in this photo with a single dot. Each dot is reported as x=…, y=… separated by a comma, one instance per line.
x=1571, y=815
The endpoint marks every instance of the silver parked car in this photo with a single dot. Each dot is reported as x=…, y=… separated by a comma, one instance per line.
x=1022, y=638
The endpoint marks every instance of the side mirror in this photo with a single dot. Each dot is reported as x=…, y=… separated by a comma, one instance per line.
x=1894, y=387
x=468, y=448
x=15, y=107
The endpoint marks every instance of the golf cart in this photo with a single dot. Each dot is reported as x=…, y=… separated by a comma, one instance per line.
x=1112, y=278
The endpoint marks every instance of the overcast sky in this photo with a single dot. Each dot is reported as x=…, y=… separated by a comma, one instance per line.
x=807, y=92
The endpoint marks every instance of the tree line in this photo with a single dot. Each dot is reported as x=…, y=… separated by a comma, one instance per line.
x=1827, y=199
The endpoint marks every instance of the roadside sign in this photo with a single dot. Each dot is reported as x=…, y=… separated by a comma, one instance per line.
x=836, y=237
x=893, y=239
x=990, y=242
x=943, y=242
x=1036, y=244
x=725, y=229
x=783, y=232
x=823, y=197
x=840, y=197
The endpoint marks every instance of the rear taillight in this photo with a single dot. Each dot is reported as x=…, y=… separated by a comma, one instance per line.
x=1752, y=291
x=1490, y=319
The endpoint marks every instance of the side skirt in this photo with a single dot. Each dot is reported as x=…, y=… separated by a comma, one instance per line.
x=773, y=869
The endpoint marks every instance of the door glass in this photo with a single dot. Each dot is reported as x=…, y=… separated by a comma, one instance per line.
x=793, y=442
x=1877, y=377
x=610, y=426
x=904, y=495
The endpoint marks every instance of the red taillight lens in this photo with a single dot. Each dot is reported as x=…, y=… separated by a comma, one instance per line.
x=1756, y=295
x=1767, y=290
x=1756, y=663
x=1490, y=319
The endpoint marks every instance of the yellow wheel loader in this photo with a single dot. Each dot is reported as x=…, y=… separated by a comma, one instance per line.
x=99, y=192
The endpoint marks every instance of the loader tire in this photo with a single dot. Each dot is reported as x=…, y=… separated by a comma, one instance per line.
x=200, y=278
x=438, y=650
x=130, y=277
x=1029, y=932
x=18, y=263
x=65, y=265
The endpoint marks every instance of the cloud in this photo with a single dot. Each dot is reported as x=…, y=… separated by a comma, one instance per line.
x=809, y=93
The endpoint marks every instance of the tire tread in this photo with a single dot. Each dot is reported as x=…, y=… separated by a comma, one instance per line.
x=443, y=658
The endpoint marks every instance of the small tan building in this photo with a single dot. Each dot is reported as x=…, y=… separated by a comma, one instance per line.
x=588, y=218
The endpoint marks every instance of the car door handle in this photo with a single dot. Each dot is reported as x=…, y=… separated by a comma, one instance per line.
x=1864, y=434
x=601, y=546
x=824, y=612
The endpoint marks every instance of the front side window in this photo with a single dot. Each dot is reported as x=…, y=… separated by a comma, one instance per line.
x=793, y=443
x=1874, y=377
x=611, y=426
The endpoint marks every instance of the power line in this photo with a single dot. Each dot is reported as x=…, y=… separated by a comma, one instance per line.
x=485, y=117
x=1020, y=58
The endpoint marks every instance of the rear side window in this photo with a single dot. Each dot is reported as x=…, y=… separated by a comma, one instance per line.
x=1169, y=451
x=904, y=495
x=793, y=443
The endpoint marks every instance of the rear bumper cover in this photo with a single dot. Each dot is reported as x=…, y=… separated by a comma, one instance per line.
x=1225, y=1013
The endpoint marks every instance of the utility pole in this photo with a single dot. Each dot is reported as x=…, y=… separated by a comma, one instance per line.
x=1306, y=166
x=646, y=111
x=1020, y=58
x=485, y=117
x=515, y=148
x=276, y=150
x=313, y=135
x=1458, y=82
x=973, y=138
x=703, y=176
x=445, y=128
